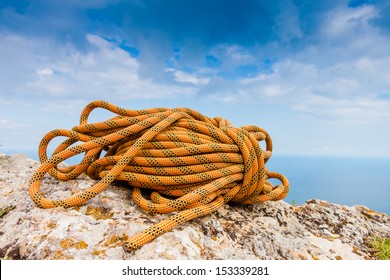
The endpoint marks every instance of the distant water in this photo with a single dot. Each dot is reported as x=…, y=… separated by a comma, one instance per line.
x=342, y=180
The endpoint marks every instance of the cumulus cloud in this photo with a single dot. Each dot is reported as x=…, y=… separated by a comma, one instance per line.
x=232, y=56
x=342, y=92
x=39, y=69
x=345, y=20
x=184, y=77
x=324, y=80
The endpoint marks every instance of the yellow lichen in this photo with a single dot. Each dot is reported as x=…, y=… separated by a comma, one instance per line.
x=66, y=243
x=303, y=257
x=314, y=257
x=51, y=225
x=115, y=241
x=43, y=237
x=59, y=255
x=71, y=243
x=99, y=252
x=80, y=245
x=98, y=213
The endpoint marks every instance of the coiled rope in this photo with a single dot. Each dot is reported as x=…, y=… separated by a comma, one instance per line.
x=193, y=164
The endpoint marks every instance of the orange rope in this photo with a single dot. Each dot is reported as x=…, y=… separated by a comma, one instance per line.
x=194, y=164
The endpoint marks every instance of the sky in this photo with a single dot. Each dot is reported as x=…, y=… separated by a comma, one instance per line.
x=314, y=74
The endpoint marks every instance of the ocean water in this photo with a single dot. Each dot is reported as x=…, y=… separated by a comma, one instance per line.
x=342, y=180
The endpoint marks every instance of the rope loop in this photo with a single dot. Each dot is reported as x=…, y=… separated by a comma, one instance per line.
x=192, y=164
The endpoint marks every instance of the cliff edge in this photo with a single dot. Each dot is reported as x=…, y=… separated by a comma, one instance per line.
x=96, y=230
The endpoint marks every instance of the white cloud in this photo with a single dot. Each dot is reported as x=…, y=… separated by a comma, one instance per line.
x=232, y=55
x=274, y=90
x=341, y=79
x=45, y=85
x=342, y=92
x=41, y=69
x=7, y=124
x=356, y=111
x=45, y=72
x=344, y=20
x=184, y=77
x=336, y=73
x=3, y=122
x=237, y=53
x=287, y=26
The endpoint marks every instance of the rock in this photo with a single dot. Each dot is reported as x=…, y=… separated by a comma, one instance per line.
x=96, y=230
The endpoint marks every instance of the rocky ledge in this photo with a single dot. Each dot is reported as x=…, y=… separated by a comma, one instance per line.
x=96, y=230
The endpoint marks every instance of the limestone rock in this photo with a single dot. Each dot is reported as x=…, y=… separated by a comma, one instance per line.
x=96, y=230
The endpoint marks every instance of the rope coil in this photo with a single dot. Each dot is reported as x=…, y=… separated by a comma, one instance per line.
x=193, y=164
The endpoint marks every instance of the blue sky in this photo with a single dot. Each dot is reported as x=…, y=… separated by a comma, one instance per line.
x=314, y=74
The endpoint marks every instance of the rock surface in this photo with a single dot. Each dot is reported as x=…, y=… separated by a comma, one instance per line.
x=96, y=230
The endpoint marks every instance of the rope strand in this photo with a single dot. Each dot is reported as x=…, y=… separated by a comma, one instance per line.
x=193, y=164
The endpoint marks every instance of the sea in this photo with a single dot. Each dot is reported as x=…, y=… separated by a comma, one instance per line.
x=338, y=179
x=345, y=180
